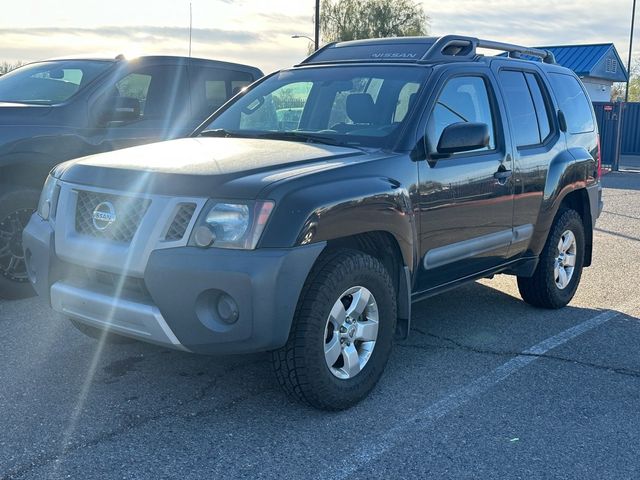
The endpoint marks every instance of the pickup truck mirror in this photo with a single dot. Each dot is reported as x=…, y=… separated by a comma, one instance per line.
x=125, y=109
x=462, y=137
x=119, y=109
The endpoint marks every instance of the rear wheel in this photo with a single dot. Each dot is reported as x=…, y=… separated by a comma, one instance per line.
x=342, y=333
x=16, y=208
x=559, y=270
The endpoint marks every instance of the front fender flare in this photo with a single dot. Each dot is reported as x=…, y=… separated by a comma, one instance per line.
x=343, y=208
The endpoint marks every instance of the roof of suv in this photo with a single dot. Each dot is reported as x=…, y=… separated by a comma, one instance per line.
x=167, y=58
x=419, y=50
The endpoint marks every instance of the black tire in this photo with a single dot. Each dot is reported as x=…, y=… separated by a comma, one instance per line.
x=541, y=289
x=300, y=366
x=98, y=334
x=16, y=207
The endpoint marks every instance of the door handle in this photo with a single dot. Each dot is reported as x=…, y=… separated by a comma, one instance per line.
x=502, y=176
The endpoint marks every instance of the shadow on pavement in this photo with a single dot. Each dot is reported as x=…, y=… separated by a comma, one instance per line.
x=627, y=180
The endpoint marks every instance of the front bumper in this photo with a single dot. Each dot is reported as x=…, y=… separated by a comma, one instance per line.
x=178, y=300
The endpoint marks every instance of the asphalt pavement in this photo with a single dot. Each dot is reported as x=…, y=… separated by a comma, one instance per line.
x=485, y=387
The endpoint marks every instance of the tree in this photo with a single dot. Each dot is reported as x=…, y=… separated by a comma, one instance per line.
x=617, y=93
x=343, y=20
x=6, y=67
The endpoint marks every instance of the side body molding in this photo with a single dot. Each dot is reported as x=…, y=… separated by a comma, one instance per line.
x=476, y=246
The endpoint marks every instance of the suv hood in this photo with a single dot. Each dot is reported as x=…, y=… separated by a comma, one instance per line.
x=222, y=167
x=21, y=113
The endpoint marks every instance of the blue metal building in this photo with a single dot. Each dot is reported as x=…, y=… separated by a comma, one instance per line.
x=599, y=66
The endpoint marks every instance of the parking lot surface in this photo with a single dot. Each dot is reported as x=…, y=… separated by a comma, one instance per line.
x=485, y=387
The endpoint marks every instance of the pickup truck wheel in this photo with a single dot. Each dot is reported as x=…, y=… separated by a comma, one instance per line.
x=16, y=207
x=342, y=333
x=98, y=334
x=557, y=276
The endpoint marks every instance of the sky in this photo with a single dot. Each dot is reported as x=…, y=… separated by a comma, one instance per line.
x=258, y=32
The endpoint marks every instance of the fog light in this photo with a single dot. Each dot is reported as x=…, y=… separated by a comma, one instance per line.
x=204, y=236
x=227, y=309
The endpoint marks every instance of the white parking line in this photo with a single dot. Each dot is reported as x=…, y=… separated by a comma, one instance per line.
x=430, y=414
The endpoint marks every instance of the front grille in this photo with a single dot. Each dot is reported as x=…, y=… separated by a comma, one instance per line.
x=125, y=215
x=180, y=222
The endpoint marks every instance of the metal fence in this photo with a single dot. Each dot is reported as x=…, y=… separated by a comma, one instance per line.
x=608, y=116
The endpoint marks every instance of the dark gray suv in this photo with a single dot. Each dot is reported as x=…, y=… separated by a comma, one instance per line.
x=307, y=215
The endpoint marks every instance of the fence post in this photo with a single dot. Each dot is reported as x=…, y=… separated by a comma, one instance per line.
x=616, y=159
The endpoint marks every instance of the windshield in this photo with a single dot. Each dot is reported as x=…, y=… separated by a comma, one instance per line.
x=49, y=83
x=356, y=105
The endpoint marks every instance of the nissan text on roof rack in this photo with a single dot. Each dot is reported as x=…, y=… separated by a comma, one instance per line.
x=307, y=215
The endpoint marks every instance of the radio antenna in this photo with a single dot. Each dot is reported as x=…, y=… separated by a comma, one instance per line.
x=190, y=25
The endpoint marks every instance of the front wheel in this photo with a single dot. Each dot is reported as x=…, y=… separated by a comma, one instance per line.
x=16, y=207
x=342, y=333
x=559, y=270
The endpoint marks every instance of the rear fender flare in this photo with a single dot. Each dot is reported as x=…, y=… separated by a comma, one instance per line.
x=566, y=174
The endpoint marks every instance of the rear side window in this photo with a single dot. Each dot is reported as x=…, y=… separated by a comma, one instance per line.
x=573, y=102
x=463, y=99
x=544, y=122
x=526, y=107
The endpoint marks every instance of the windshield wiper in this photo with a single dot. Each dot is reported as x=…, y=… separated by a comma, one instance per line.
x=221, y=132
x=290, y=136
x=306, y=137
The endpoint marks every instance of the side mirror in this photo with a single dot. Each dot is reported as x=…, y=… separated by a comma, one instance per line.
x=120, y=109
x=462, y=137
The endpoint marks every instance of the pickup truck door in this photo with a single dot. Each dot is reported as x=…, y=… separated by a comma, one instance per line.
x=466, y=200
x=162, y=92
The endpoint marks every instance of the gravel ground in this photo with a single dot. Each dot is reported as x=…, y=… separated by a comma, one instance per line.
x=486, y=387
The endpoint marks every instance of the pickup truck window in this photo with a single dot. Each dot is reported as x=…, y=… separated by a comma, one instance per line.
x=355, y=106
x=211, y=87
x=463, y=99
x=158, y=90
x=49, y=83
x=281, y=110
x=135, y=85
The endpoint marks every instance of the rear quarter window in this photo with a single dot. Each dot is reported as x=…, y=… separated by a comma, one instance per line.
x=573, y=102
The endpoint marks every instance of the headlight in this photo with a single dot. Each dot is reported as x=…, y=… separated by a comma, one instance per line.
x=232, y=225
x=48, y=198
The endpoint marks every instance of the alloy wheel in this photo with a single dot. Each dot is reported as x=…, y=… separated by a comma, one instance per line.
x=565, y=262
x=12, y=262
x=351, y=332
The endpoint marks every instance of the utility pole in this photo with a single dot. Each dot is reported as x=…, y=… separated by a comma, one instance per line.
x=616, y=161
x=191, y=25
x=317, y=37
x=633, y=21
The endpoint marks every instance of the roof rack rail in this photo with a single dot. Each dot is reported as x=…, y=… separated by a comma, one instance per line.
x=464, y=48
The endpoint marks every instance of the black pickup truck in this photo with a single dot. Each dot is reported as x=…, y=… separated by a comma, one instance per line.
x=57, y=110
x=307, y=215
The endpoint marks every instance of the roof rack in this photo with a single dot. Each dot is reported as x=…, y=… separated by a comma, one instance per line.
x=449, y=48
x=464, y=48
